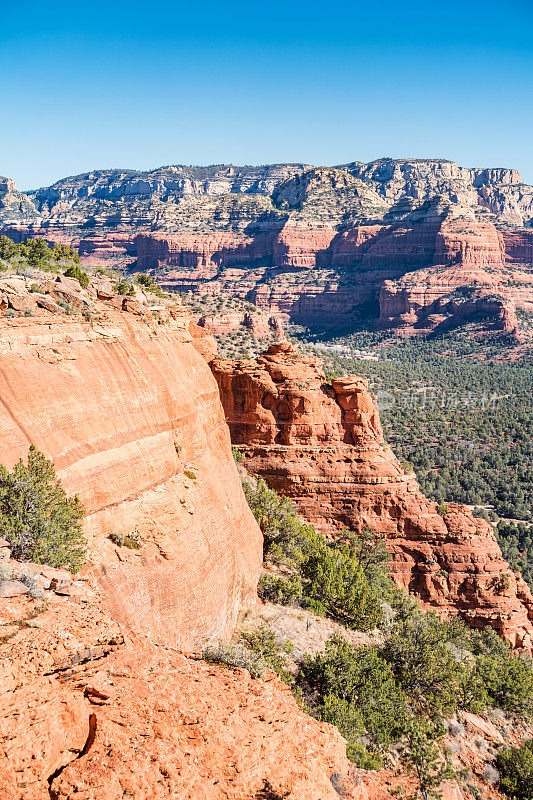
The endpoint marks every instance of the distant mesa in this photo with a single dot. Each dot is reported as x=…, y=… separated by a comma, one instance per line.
x=398, y=241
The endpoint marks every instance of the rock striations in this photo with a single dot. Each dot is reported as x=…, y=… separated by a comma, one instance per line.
x=395, y=240
x=322, y=445
x=125, y=405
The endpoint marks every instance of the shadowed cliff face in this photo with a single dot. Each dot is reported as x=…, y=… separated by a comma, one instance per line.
x=322, y=445
x=130, y=414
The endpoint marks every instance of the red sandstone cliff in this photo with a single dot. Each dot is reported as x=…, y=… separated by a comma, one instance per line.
x=394, y=239
x=128, y=410
x=322, y=445
x=410, y=269
x=95, y=698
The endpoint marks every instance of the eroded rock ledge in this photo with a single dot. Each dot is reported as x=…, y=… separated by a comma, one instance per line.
x=90, y=710
x=322, y=445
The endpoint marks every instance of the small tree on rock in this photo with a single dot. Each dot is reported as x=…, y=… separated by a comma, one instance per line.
x=37, y=518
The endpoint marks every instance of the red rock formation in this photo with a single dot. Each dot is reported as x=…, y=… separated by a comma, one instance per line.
x=322, y=445
x=260, y=325
x=518, y=247
x=90, y=710
x=130, y=414
x=471, y=243
x=322, y=275
x=300, y=248
x=200, y=250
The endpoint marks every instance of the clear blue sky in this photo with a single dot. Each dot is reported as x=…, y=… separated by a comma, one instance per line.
x=128, y=84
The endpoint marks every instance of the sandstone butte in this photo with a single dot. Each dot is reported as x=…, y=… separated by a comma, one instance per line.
x=322, y=445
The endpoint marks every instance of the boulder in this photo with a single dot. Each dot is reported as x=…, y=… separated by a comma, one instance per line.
x=12, y=589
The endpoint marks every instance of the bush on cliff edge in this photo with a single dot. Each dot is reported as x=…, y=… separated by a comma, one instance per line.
x=37, y=518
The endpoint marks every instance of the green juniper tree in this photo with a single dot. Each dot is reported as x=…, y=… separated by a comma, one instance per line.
x=37, y=518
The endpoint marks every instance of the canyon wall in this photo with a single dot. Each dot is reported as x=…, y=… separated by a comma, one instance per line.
x=400, y=272
x=126, y=407
x=322, y=445
x=384, y=241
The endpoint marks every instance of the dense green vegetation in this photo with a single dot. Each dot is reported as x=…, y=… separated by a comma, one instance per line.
x=426, y=669
x=39, y=521
x=516, y=542
x=464, y=424
x=400, y=690
x=516, y=771
x=37, y=254
x=326, y=577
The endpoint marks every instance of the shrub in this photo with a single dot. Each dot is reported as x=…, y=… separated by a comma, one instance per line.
x=40, y=522
x=35, y=589
x=235, y=655
x=420, y=659
x=149, y=283
x=263, y=643
x=422, y=756
x=62, y=252
x=278, y=521
x=516, y=771
x=190, y=474
x=123, y=287
x=333, y=581
x=374, y=558
x=237, y=455
x=356, y=690
x=76, y=272
x=67, y=307
x=8, y=248
x=508, y=681
x=132, y=540
x=280, y=590
x=336, y=584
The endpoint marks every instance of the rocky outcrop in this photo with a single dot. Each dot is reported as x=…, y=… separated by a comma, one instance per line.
x=260, y=325
x=117, y=394
x=90, y=709
x=14, y=205
x=500, y=190
x=322, y=445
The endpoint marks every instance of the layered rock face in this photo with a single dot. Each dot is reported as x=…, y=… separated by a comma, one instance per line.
x=261, y=325
x=317, y=244
x=122, y=401
x=322, y=445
